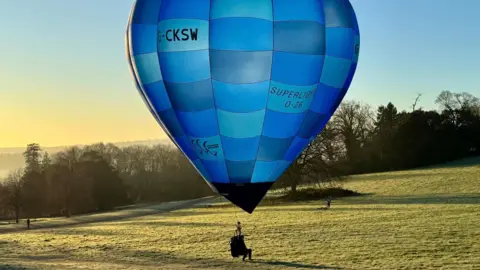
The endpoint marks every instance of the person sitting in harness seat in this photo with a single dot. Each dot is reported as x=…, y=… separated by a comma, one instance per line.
x=237, y=244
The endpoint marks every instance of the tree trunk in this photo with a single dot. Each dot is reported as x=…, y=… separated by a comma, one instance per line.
x=17, y=214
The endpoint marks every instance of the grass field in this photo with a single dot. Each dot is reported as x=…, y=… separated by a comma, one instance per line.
x=420, y=219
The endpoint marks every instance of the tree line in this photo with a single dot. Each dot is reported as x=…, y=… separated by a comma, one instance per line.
x=97, y=177
x=357, y=139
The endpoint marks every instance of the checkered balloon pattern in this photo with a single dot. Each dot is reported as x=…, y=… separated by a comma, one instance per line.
x=242, y=86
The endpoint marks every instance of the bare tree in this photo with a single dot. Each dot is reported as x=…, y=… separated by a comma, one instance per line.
x=415, y=102
x=14, y=184
x=353, y=121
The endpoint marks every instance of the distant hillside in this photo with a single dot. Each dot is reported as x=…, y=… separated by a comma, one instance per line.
x=11, y=157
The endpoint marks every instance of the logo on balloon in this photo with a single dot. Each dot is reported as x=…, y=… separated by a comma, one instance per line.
x=205, y=148
x=177, y=34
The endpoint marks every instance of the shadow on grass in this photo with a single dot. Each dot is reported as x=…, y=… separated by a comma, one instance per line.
x=11, y=267
x=432, y=199
x=296, y=265
x=115, y=216
x=392, y=176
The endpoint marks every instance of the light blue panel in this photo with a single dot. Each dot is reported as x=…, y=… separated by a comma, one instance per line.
x=282, y=167
x=199, y=124
x=170, y=121
x=240, y=149
x=296, y=69
x=183, y=67
x=241, y=67
x=296, y=148
x=148, y=68
x=217, y=169
x=272, y=149
x=199, y=166
x=303, y=37
x=241, y=34
x=281, y=125
x=182, y=35
x=335, y=71
x=191, y=97
x=240, y=172
x=207, y=148
x=338, y=13
x=261, y=9
x=240, y=125
x=263, y=170
x=304, y=10
x=146, y=12
x=290, y=98
x=356, y=49
x=310, y=123
x=185, y=9
x=157, y=95
x=143, y=38
x=241, y=98
x=340, y=42
x=324, y=99
x=186, y=146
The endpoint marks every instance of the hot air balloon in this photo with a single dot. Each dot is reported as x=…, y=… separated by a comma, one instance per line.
x=242, y=87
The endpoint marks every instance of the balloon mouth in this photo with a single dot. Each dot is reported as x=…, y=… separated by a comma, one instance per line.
x=247, y=196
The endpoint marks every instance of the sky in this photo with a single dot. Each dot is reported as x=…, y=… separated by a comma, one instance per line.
x=64, y=77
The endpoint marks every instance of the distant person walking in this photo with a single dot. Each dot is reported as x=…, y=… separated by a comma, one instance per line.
x=28, y=224
x=329, y=202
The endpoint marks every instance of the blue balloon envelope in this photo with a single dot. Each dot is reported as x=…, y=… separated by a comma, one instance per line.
x=242, y=87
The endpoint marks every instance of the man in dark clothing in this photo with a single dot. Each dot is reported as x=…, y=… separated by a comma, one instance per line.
x=28, y=224
x=238, y=247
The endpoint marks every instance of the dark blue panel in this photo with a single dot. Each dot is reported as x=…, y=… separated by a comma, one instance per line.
x=199, y=124
x=320, y=126
x=190, y=97
x=300, y=10
x=337, y=102
x=241, y=34
x=183, y=67
x=241, y=98
x=296, y=148
x=217, y=169
x=170, y=120
x=350, y=75
x=281, y=125
x=310, y=123
x=146, y=11
x=340, y=42
x=240, y=149
x=157, y=95
x=186, y=146
x=324, y=99
x=240, y=67
x=338, y=13
x=185, y=9
x=199, y=166
x=296, y=69
x=272, y=149
x=302, y=37
x=240, y=172
x=144, y=37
